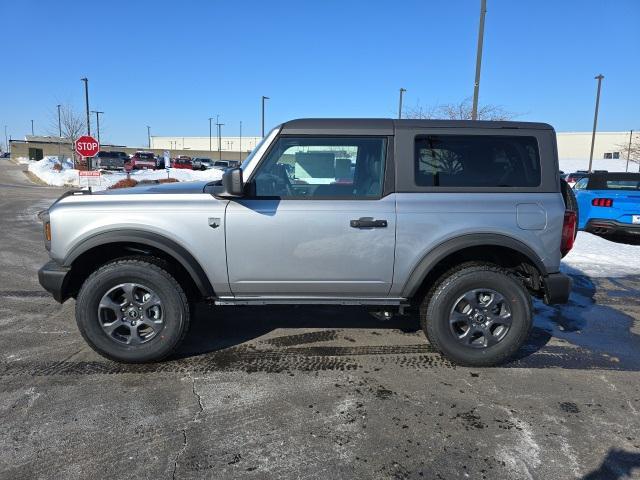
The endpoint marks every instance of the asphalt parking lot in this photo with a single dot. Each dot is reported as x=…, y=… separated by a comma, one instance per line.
x=313, y=392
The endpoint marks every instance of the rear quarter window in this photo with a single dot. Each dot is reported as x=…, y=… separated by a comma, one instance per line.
x=477, y=161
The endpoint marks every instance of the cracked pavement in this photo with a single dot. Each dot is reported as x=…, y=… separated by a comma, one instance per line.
x=309, y=392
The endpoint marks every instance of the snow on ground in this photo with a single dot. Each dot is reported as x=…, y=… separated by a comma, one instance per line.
x=68, y=176
x=609, y=164
x=597, y=257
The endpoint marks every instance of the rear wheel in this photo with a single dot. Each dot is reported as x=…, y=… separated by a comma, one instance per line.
x=477, y=315
x=133, y=311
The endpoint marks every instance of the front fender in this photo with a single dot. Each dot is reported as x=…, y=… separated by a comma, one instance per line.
x=181, y=254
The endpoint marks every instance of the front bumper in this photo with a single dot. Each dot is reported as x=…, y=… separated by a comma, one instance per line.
x=600, y=226
x=557, y=288
x=53, y=277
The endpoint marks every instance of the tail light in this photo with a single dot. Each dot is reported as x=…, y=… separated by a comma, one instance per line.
x=602, y=202
x=568, y=231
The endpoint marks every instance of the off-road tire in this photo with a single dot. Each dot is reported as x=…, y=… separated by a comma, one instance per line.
x=152, y=272
x=440, y=299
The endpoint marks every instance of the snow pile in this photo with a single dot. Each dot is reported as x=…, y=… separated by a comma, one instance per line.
x=43, y=169
x=596, y=257
x=609, y=164
x=68, y=176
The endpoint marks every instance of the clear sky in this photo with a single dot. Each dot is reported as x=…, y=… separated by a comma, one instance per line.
x=171, y=65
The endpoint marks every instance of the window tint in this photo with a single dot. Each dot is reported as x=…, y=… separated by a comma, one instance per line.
x=308, y=167
x=477, y=161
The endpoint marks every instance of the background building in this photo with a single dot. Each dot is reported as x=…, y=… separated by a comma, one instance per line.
x=571, y=146
x=37, y=147
x=577, y=145
x=228, y=144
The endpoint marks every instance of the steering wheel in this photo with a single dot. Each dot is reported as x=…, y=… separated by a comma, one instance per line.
x=276, y=183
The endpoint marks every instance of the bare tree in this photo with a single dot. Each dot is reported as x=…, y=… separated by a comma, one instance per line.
x=72, y=125
x=633, y=153
x=458, y=111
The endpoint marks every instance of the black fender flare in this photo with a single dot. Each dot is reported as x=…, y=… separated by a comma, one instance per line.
x=155, y=240
x=453, y=245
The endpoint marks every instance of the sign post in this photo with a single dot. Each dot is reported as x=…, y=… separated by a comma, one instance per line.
x=167, y=161
x=86, y=146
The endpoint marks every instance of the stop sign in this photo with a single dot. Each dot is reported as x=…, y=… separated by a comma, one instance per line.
x=87, y=146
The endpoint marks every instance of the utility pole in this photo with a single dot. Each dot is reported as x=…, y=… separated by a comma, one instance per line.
x=240, y=146
x=595, y=120
x=86, y=100
x=629, y=151
x=263, y=99
x=210, y=118
x=402, y=90
x=59, y=122
x=476, y=85
x=60, y=136
x=219, y=125
x=6, y=142
x=97, y=123
x=148, y=137
x=32, y=134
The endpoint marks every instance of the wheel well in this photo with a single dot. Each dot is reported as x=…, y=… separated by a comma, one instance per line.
x=87, y=262
x=514, y=261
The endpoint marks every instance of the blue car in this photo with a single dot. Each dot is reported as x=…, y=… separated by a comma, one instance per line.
x=609, y=203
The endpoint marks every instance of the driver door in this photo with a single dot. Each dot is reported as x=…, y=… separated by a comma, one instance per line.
x=315, y=222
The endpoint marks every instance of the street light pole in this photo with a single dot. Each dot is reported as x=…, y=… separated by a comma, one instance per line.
x=86, y=100
x=240, y=146
x=210, y=118
x=402, y=90
x=32, y=134
x=148, y=137
x=263, y=99
x=219, y=125
x=629, y=151
x=59, y=136
x=595, y=120
x=6, y=142
x=59, y=122
x=476, y=85
x=97, y=123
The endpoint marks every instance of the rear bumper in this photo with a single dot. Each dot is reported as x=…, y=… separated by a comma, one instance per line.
x=53, y=278
x=601, y=226
x=557, y=288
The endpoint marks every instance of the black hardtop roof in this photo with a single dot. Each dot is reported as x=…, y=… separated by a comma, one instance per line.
x=615, y=175
x=387, y=126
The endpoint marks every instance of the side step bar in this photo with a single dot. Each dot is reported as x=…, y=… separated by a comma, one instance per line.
x=310, y=301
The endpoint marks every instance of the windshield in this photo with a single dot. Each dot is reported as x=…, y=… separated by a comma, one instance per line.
x=247, y=160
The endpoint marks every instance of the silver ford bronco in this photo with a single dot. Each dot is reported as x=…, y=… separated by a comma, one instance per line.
x=464, y=221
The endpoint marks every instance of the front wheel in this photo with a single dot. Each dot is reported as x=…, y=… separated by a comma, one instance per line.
x=477, y=315
x=132, y=311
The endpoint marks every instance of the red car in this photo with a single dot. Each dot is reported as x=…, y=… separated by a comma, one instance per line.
x=182, y=162
x=141, y=161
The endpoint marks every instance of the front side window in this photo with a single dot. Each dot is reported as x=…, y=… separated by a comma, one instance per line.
x=476, y=161
x=322, y=167
x=581, y=184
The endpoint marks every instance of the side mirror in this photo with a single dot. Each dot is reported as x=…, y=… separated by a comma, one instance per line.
x=232, y=184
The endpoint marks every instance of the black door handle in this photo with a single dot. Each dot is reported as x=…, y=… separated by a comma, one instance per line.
x=368, y=222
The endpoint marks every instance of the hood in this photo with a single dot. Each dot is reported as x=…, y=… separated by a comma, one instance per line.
x=176, y=187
